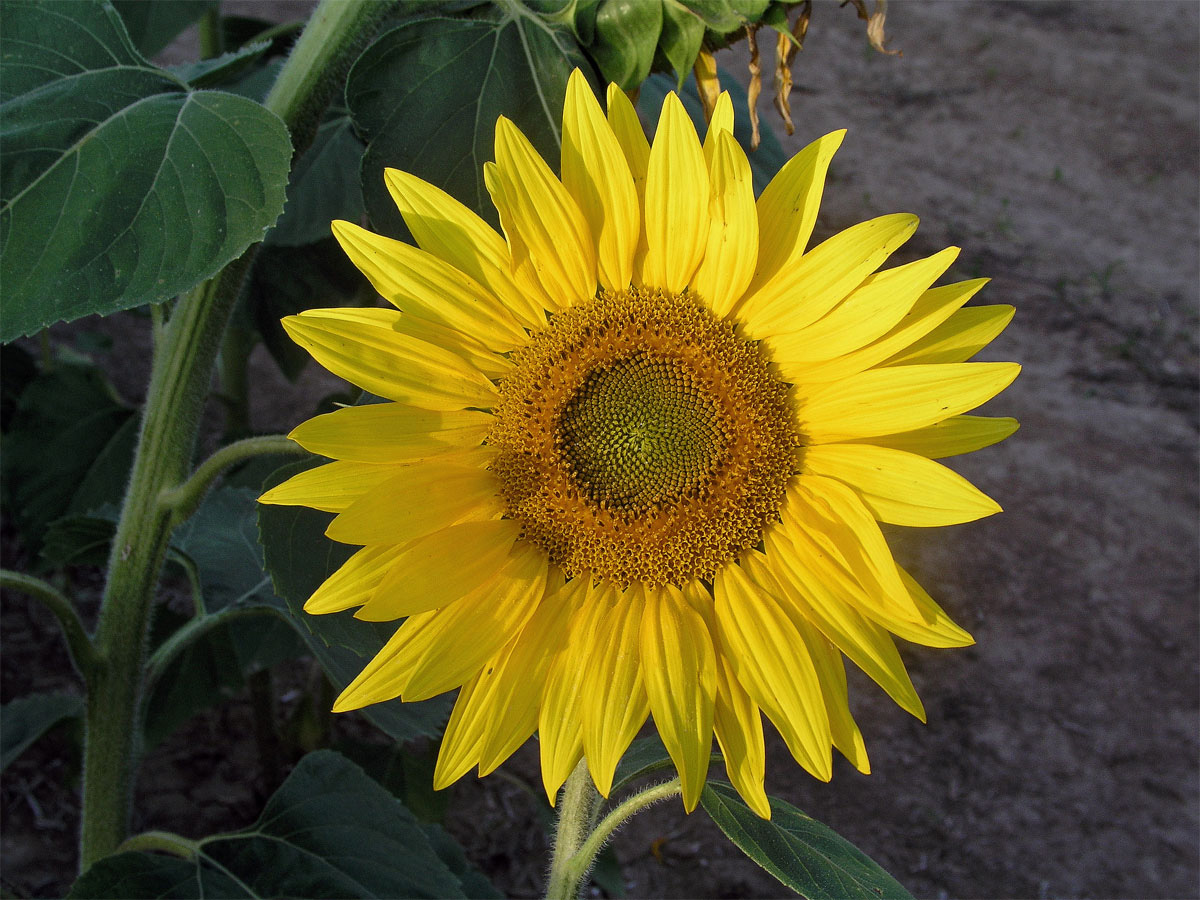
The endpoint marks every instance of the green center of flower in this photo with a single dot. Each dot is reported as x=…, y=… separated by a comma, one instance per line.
x=641, y=431
x=639, y=438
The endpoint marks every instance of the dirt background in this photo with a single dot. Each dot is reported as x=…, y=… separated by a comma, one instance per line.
x=1057, y=144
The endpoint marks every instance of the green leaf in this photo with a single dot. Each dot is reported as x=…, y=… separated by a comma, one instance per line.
x=221, y=69
x=299, y=558
x=329, y=831
x=764, y=162
x=120, y=186
x=67, y=426
x=24, y=720
x=152, y=24
x=78, y=541
x=682, y=36
x=626, y=34
x=426, y=96
x=324, y=186
x=808, y=857
x=724, y=16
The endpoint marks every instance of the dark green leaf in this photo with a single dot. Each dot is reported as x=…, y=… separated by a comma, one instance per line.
x=329, y=831
x=764, y=162
x=238, y=31
x=62, y=429
x=104, y=482
x=221, y=69
x=299, y=558
x=645, y=756
x=24, y=720
x=154, y=23
x=426, y=96
x=17, y=369
x=324, y=186
x=808, y=857
x=405, y=771
x=682, y=35
x=606, y=873
x=120, y=186
x=626, y=34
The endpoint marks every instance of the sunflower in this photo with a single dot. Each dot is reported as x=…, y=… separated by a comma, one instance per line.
x=635, y=452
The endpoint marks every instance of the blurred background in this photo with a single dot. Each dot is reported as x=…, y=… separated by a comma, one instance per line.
x=1057, y=143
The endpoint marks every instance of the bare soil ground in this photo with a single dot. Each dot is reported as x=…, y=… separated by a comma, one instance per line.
x=1057, y=144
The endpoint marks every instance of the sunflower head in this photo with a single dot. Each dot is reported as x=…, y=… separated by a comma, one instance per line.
x=636, y=448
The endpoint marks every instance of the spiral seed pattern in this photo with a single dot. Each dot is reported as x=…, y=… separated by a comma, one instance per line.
x=639, y=438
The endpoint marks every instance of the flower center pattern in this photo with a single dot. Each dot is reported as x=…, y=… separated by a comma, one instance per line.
x=640, y=439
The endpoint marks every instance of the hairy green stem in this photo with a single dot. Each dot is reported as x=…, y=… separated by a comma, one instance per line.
x=211, y=39
x=181, y=372
x=79, y=645
x=575, y=805
x=183, y=499
x=581, y=863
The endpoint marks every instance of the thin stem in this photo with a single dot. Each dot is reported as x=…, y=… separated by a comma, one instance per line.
x=183, y=499
x=164, y=842
x=79, y=645
x=574, y=816
x=581, y=863
x=188, y=632
x=211, y=41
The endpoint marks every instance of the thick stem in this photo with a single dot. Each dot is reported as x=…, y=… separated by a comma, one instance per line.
x=574, y=817
x=179, y=381
x=174, y=403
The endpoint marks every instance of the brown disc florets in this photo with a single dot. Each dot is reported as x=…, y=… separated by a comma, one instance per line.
x=640, y=439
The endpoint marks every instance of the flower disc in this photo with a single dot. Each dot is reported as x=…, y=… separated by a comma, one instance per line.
x=640, y=439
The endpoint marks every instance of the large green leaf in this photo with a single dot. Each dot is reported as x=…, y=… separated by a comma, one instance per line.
x=299, y=558
x=120, y=186
x=426, y=96
x=810, y=858
x=24, y=720
x=626, y=33
x=329, y=831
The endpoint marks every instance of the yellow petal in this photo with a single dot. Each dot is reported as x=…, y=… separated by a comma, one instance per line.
x=418, y=500
x=391, y=432
x=948, y=634
x=522, y=268
x=471, y=350
x=596, y=175
x=551, y=227
x=520, y=676
x=435, y=570
x=898, y=487
x=627, y=128
x=787, y=208
x=353, y=583
x=455, y=642
x=832, y=515
x=958, y=339
x=379, y=359
x=931, y=309
x=560, y=719
x=732, y=245
x=421, y=284
x=903, y=398
x=464, y=736
x=447, y=229
x=680, y=673
x=676, y=201
x=332, y=487
x=720, y=122
x=613, y=694
x=808, y=288
x=800, y=578
x=736, y=719
x=831, y=674
x=771, y=662
x=955, y=436
x=870, y=311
